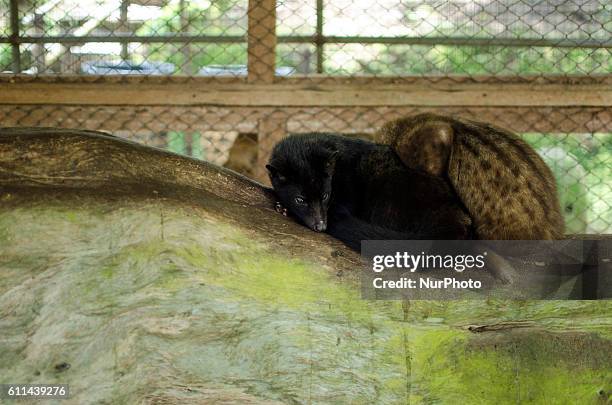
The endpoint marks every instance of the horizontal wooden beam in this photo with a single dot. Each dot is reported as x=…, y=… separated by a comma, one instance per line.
x=146, y=122
x=314, y=79
x=307, y=92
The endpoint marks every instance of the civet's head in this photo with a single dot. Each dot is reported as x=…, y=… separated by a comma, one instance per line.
x=301, y=170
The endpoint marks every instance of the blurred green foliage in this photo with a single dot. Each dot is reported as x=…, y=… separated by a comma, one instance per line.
x=177, y=143
x=197, y=18
x=582, y=165
x=5, y=57
x=383, y=59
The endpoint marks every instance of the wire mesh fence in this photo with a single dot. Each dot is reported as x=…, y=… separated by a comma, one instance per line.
x=581, y=161
x=150, y=37
x=335, y=37
x=491, y=41
x=389, y=37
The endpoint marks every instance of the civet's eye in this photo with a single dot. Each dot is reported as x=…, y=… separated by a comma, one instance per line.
x=325, y=196
x=299, y=200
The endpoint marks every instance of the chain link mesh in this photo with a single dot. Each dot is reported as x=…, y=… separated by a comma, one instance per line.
x=488, y=41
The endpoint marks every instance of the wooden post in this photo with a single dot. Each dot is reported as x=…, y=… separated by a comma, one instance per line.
x=38, y=50
x=261, y=41
x=261, y=68
x=14, y=20
x=186, y=68
x=319, y=36
x=66, y=59
x=188, y=140
x=272, y=128
x=123, y=22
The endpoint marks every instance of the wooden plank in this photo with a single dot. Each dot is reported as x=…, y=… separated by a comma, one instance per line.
x=313, y=79
x=146, y=121
x=261, y=49
x=306, y=94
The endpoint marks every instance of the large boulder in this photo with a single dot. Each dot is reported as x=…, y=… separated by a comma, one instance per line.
x=136, y=275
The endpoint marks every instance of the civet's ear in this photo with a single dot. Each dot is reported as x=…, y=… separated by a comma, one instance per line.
x=330, y=164
x=427, y=147
x=274, y=173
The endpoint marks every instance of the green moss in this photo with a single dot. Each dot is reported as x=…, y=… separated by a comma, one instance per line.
x=287, y=284
x=530, y=367
x=133, y=268
x=4, y=230
x=223, y=306
x=72, y=217
x=107, y=272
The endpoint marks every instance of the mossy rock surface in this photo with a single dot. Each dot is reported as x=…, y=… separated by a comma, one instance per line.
x=164, y=291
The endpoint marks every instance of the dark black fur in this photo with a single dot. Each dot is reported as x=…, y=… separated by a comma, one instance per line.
x=358, y=190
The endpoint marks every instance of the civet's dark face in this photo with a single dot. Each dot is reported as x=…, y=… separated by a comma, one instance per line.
x=303, y=184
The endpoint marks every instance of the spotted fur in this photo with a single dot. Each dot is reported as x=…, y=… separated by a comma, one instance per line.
x=506, y=187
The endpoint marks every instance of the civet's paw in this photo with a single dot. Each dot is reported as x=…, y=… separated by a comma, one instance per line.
x=280, y=209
